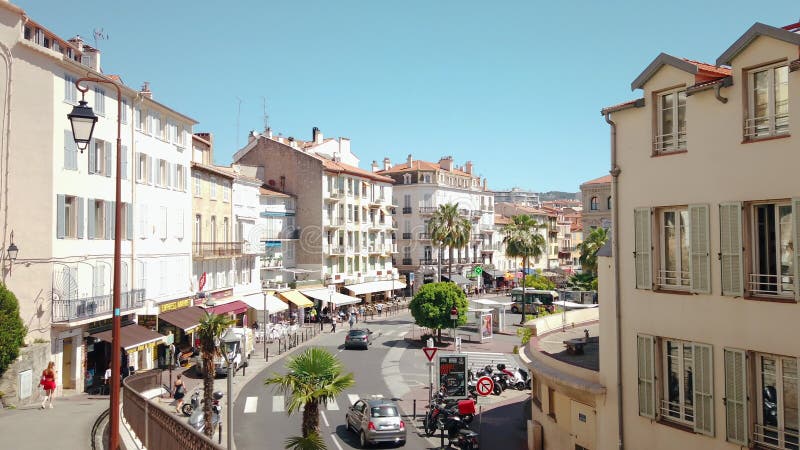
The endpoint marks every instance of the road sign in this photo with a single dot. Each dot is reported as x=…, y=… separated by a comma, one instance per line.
x=201, y=283
x=477, y=270
x=453, y=376
x=453, y=313
x=430, y=352
x=484, y=386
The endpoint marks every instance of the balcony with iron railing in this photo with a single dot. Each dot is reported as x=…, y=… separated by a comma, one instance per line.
x=335, y=195
x=673, y=279
x=333, y=249
x=771, y=436
x=764, y=285
x=406, y=210
x=407, y=261
x=428, y=262
x=426, y=209
x=69, y=310
x=675, y=412
x=425, y=236
x=406, y=236
x=216, y=249
x=389, y=248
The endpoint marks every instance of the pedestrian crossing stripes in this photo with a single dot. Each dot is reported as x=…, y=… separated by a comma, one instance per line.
x=278, y=405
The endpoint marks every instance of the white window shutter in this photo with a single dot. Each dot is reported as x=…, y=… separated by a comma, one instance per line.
x=110, y=158
x=736, y=396
x=796, y=227
x=699, y=249
x=643, y=248
x=703, y=389
x=92, y=159
x=90, y=218
x=79, y=221
x=646, y=376
x=730, y=243
x=61, y=219
x=128, y=221
x=124, y=170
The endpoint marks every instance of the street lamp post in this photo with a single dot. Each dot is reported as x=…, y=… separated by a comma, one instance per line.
x=264, y=327
x=229, y=338
x=83, y=120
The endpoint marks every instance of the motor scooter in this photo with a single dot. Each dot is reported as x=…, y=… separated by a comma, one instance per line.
x=188, y=408
x=197, y=421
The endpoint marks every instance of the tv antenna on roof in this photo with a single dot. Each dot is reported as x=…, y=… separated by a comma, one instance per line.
x=99, y=34
x=266, y=116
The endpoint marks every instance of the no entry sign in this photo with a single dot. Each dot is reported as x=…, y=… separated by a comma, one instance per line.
x=484, y=386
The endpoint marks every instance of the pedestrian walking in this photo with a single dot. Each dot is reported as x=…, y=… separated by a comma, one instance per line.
x=362, y=312
x=334, y=319
x=48, y=383
x=352, y=320
x=179, y=393
x=320, y=323
x=355, y=313
x=380, y=309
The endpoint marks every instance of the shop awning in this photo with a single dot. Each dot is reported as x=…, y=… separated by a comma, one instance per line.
x=375, y=286
x=274, y=304
x=495, y=273
x=331, y=297
x=297, y=298
x=458, y=279
x=186, y=319
x=235, y=307
x=131, y=336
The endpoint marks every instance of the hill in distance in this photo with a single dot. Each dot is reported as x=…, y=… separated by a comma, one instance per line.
x=559, y=195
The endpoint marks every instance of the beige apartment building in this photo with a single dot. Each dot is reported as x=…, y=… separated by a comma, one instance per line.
x=596, y=196
x=708, y=204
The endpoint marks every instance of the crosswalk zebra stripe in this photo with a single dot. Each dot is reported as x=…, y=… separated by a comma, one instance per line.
x=353, y=398
x=332, y=405
x=251, y=405
x=277, y=403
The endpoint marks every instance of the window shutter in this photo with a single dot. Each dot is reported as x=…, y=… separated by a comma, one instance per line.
x=79, y=233
x=109, y=159
x=644, y=351
x=92, y=157
x=90, y=219
x=70, y=150
x=730, y=243
x=143, y=220
x=109, y=222
x=154, y=171
x=61, y=219
x=170, y=175
x=796, y=225
x=700, y=262
x=643, y=248
x=124, y=162
x=128, y=221
x=703, y=389
x=736, y=396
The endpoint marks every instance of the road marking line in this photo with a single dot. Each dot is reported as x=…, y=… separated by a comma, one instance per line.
x=335, y=441
x=332, y=405
x=353, y=398
x=277, y=403
x=251, y=405
x=324, y=418
x=402, y=334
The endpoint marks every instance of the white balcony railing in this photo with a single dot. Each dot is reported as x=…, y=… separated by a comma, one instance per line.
x=775, y=285
x=774, y=437
x=670, y=142
x=766, y=126
x=674, y=279
x=676, y=412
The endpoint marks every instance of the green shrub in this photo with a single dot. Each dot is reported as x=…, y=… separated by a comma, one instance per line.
x=12, y=331
x=524, y=334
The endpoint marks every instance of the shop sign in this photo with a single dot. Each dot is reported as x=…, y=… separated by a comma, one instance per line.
x=172, y=306
x=148, y=321
x=221, y=294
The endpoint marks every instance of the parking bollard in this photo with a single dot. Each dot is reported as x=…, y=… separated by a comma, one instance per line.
x=414, y=414
x=266, y=354
x=219, y=441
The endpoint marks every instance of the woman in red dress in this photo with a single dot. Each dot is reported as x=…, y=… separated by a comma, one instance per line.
x=48, y=383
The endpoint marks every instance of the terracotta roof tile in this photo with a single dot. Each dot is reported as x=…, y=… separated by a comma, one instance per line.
x=602, y=180
x=710, y=69
x=340, y=167
x=422, y=165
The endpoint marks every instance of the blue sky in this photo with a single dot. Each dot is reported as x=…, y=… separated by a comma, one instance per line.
x=514, y=86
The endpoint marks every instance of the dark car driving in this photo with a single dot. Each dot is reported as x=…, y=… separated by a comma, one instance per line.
x=360, y=337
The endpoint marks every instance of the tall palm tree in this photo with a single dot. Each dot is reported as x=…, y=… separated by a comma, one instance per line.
x=448, y=228
x=522, y=239
x=211, y=328
x=589, y=247
x=313, y=377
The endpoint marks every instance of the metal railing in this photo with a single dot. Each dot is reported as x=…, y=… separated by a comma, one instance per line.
x=406, y=235
x=427, y=262
x=676, y=412
x=154, y=426
x=670, y=142
x=83, y=308
x=210, y=249
x=333, y=221
x=407, y=261
x=674, y=279
x=426, y=209
x=766, y=126
x=333, y=249
x=425, y=236
x=774, y=437
x=773, y=285
x=406, y=210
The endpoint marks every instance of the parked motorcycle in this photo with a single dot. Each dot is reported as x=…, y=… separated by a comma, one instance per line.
x=462, y=411
x=466, y=439
x=197, y=421
x=499, y=383
x=188, y=408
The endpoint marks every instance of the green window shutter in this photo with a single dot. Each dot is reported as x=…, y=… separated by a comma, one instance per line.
x=736, y=418
x=124, y=162
x=643, y=248
x=109, y=159
x=90, y=219
x=79, y=233
x=703, y=389
x=128, y=221
x=61, y=219
x=730, y=244
x=92, y=157
x=796, y=226
x=699, y=249
x=646, y=375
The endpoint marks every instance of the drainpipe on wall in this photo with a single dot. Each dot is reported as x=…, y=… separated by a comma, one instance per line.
x=615, y=171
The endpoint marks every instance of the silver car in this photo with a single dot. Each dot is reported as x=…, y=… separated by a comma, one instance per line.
x=376, y=421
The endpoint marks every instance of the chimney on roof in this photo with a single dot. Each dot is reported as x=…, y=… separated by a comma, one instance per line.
x=269, y=132
x=374, y=165
x=468, y=167
x=77, y=41
x=91, y=57
x=387, y=163
x=410, y=160
x=484, y=184
x=292, y=142
x=446, y=163
x=145, y=91
x=316, y=135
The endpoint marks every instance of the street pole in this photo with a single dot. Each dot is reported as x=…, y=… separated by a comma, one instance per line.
x=264, y=326
x=230, y=407
x=116, y=355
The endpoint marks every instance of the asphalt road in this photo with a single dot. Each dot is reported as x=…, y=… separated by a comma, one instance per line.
x=260, y=418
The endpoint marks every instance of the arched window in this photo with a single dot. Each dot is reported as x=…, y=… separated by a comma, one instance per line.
x=593, y=206
x=608, y=203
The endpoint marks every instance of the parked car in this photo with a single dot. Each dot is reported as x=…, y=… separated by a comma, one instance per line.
x=376, y=421
x=358, y=337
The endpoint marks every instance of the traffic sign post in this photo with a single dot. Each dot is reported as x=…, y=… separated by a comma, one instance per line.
x=484, y=386
x=430, y=352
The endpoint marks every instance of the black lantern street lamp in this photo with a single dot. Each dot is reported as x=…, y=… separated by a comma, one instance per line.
x=12, y=251
x=82, y=119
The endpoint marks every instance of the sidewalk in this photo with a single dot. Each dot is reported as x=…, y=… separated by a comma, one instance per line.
x=67, y=426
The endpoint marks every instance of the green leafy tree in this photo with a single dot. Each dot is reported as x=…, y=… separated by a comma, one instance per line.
x=448, y=229
x=432, y=304
x=582, y=282
x=589, y=247
x=539, y=282
x=12, y=330
x=313, y=377
x=211, y=328
x=522, y=239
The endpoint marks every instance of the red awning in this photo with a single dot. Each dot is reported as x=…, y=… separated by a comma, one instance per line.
x=235, y=307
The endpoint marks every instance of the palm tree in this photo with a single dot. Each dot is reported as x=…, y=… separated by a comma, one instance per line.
x=314, y=377
x=448, y=228
x=522, y=239
x=211, y=328
x=589, y=247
